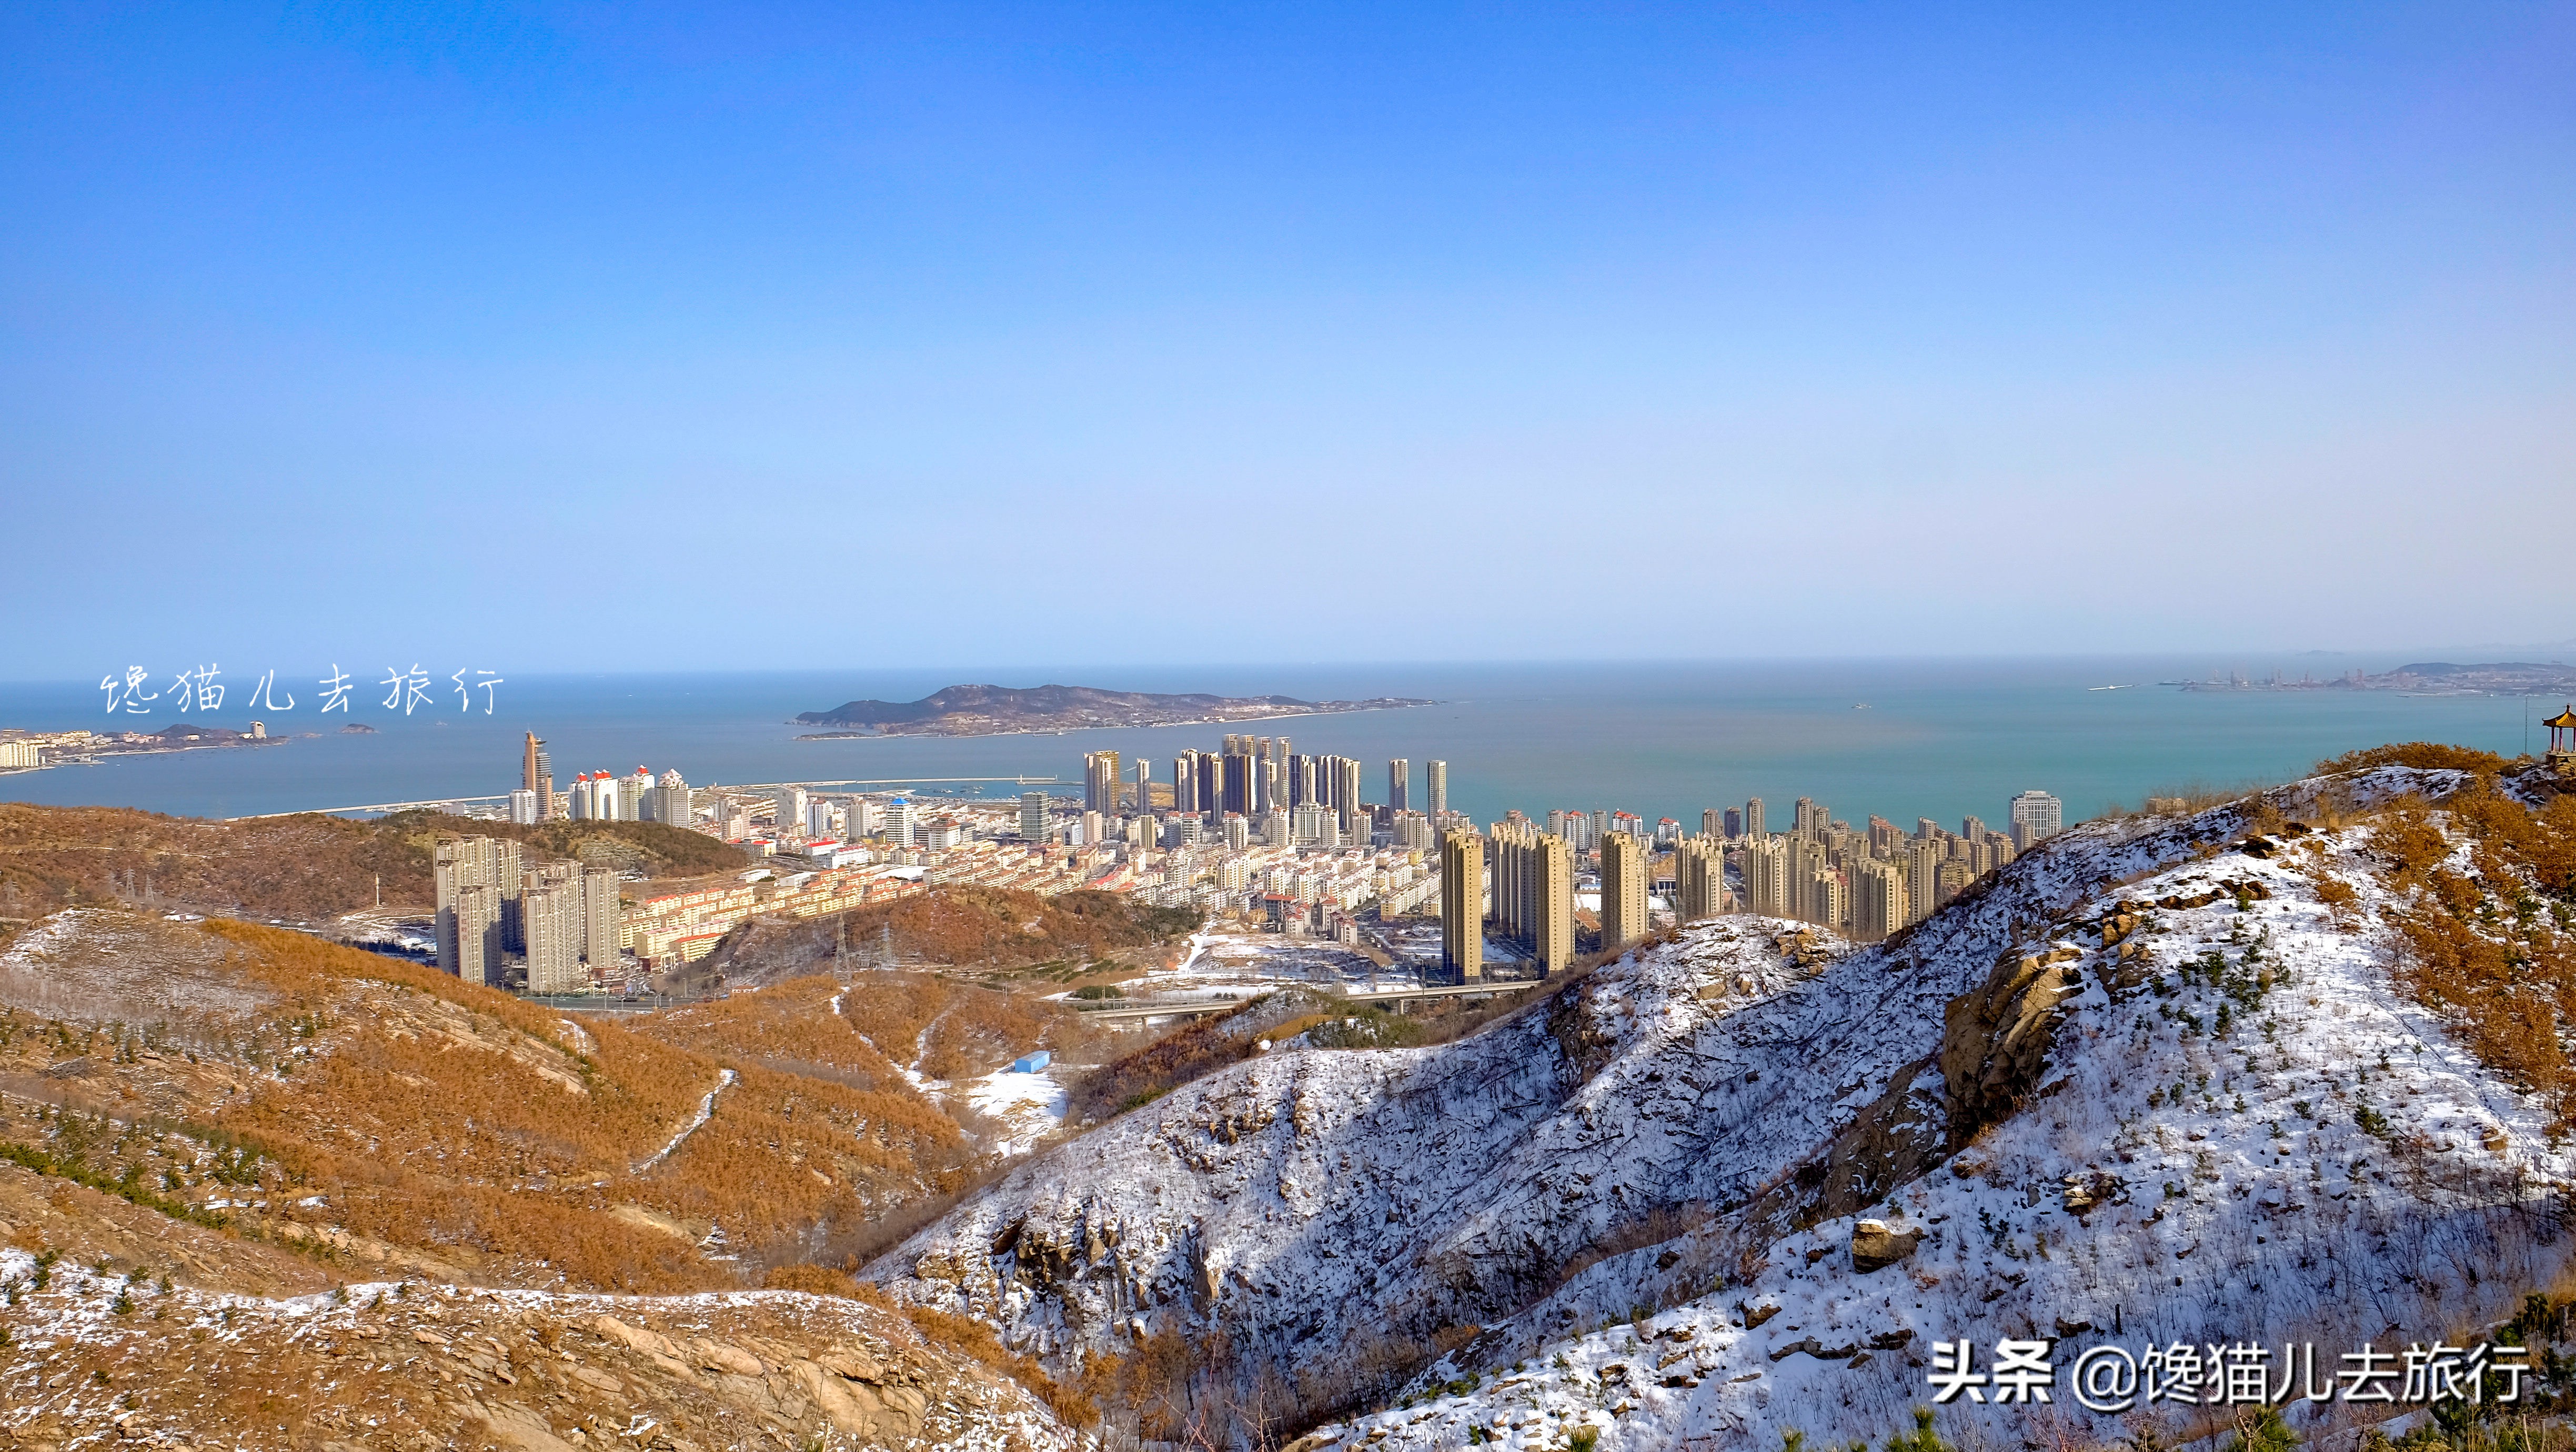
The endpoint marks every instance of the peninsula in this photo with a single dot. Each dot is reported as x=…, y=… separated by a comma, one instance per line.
x=1003, y=710
x=2421, y=678
x=35, y=750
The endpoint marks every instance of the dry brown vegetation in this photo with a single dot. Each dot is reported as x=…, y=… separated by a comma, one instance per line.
x=463, y=1124
x=2493, y=947
x=308, y=866
x=2422, y=755
x=303, y=867
x=180, y=1362
x=1192, y=1052
x=945, y=1030
x=1000, y=927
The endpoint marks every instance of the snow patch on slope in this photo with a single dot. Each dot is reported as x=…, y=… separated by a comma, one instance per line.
x=1030, y=1104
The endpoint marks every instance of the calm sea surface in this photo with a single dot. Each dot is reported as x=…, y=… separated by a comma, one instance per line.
x=1940, y=740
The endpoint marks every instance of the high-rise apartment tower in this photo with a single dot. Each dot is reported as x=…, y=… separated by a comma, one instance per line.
x=1100, y=781
x=537, y=774
x=1699, y=873
x=1878, y=899
x=2039, y=815
x=477, y=884
x=1623, y=891
x=1462, y=905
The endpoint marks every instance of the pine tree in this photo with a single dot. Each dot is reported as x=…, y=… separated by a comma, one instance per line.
x=2266, y=1433
x=1922, y=1438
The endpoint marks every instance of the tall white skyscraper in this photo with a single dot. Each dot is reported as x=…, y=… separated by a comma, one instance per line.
x=1435, y=779
x=2038, y=815
x=898, y=822
x=671, y=800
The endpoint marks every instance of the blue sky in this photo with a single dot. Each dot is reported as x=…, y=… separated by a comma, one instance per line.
x=589, y=336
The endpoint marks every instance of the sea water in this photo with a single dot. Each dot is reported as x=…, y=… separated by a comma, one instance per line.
x=1940, y=739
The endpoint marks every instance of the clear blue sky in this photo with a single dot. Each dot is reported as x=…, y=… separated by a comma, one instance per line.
x=590, y=336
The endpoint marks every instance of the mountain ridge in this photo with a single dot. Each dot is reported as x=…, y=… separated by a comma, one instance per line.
x=1704, y=1124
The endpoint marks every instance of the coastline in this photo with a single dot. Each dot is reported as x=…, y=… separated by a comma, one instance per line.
x=96, y=757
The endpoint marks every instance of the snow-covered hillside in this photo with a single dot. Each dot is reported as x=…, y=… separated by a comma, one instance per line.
x=2191, y=1167
x=1700, y=1126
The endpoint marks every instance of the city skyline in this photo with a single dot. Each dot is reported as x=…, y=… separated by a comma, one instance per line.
x=1260, y=833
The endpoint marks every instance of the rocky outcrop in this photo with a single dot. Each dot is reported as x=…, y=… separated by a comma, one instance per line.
x=1874, y=1246
x=1898, y=1136
x=1995, y=1039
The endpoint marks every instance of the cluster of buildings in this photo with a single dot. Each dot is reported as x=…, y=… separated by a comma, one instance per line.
x=1261, y=789
x=596, y=796
x=1253, y=776
x=561, y=924
x=1523, y=883
x=564, y=927
x=1871, y=882
x=855, y=830
x=1254, y=830
x=31, y=750
x=682, y=927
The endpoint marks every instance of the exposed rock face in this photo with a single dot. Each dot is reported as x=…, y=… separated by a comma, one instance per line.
x=1995, y=1041
x=1876, y=1247
x=2091, y=1190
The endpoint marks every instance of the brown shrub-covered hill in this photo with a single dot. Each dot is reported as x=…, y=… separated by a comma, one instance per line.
x=405, y=1123
x=959, y=926
x=304, y=867
x=125, y=1327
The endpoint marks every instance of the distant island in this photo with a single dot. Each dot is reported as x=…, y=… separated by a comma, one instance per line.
x=2421, y=678
x=1001, y=710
